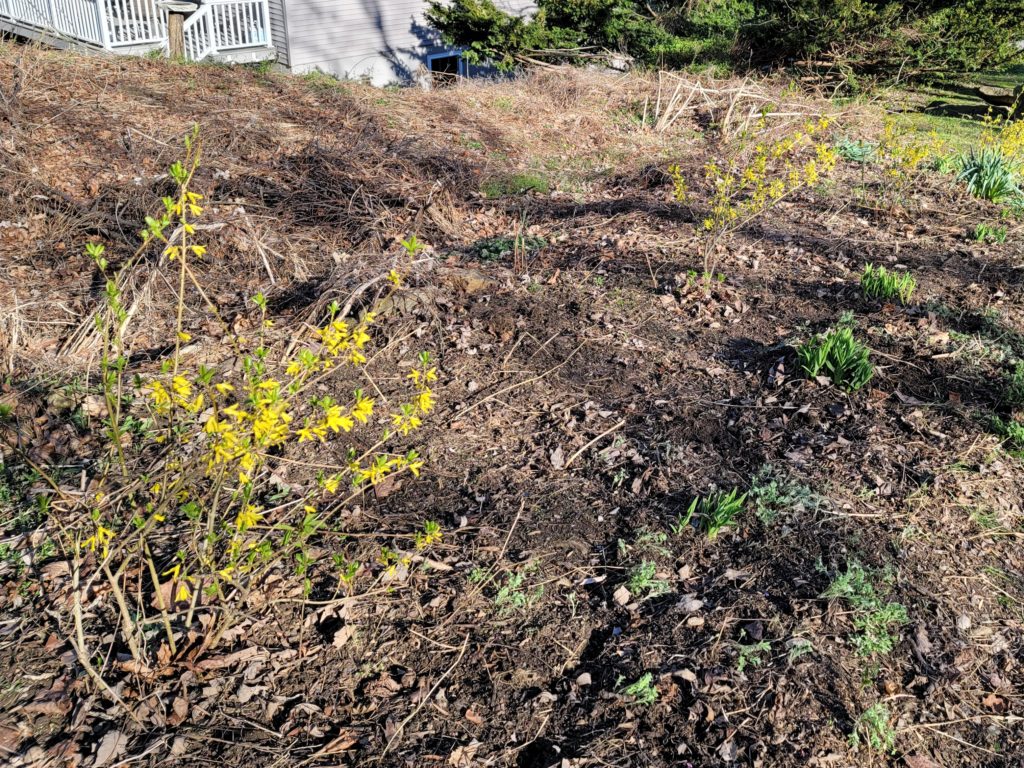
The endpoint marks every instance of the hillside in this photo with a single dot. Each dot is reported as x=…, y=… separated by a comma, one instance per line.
x=567, y=580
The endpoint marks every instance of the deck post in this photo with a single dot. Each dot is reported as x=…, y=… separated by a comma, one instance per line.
x=101, y=20
x=176, y=35
x=176, y=14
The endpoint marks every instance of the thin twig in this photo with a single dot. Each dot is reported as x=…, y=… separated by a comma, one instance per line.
x=428, y=697
x=518, y=384
x=608, y=431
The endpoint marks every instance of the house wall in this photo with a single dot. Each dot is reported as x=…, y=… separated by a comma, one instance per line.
x=279, y=29
x=384, y=41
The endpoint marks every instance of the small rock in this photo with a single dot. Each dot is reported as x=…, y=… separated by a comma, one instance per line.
x=583, y=680
x=754, y=630
x=963, y=622
x=621, y=596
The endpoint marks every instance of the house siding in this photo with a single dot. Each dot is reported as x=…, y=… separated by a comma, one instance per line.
x=383, y=41
x=279, y=30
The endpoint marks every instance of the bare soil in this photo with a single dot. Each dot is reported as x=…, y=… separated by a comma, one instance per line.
x=585, y=400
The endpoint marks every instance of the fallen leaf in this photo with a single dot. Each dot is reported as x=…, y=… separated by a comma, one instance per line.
x=921, y=640
x=179, y=711
x=687, y=675
x=111, y=747
x=247, y=693
x=462, y=757
x=728, y=751
x=690, y=604
x=995, y=703
x=94, y=406
x=343, y=742
x=343, y=635
x=178, y=746
x=11, y=738
x=732, y=574
x=920, y=761
x=557, y=458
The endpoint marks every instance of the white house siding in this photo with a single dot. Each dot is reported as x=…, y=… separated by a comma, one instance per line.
x=384, y=41
x=279, y=29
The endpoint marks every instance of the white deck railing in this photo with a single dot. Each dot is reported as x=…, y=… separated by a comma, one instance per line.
x=225, y=25
x=133, y=22
x=218, y=25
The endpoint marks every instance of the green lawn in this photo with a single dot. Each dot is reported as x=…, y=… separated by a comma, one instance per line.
x=953, y=110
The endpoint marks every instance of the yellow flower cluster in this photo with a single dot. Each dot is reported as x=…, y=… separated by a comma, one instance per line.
x=240, y=431
x=408, y=417
x=336, y=418
x=902, y=154
x=774, y=170
x=243, y=434
x=205, y=484
x=180, y=395
x=187, y=204
x=100, y=541
x=339, y=340
x=1005, y=135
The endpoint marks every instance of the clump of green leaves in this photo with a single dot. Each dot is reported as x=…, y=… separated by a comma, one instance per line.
x=838, y=355
x=645, y=544
x=798, y=648
x=874, y=728
x=643, y=691
x=559, y=29
x=774, y=494
x=514, y=184
x=990, y=174
x=856, y=151
x=643, y=580
x=323, y=82
x=495, y=248
x=714, y=512
x=1010, y=430
x=985, y=518
x=989, y=233
x=880, y=283
x=874, y=618
x=750, y=655
x=515, y=594
x=1013, y=390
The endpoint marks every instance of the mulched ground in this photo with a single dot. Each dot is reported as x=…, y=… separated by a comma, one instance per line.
x=584, y=403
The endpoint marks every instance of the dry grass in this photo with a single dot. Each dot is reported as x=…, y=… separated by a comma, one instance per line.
x=303, y=172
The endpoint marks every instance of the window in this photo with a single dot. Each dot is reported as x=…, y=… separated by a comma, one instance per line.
x=446, y=68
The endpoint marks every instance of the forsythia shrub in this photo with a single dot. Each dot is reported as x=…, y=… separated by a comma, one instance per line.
x=189, y=517
x=752, y=181
x=904, y=158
